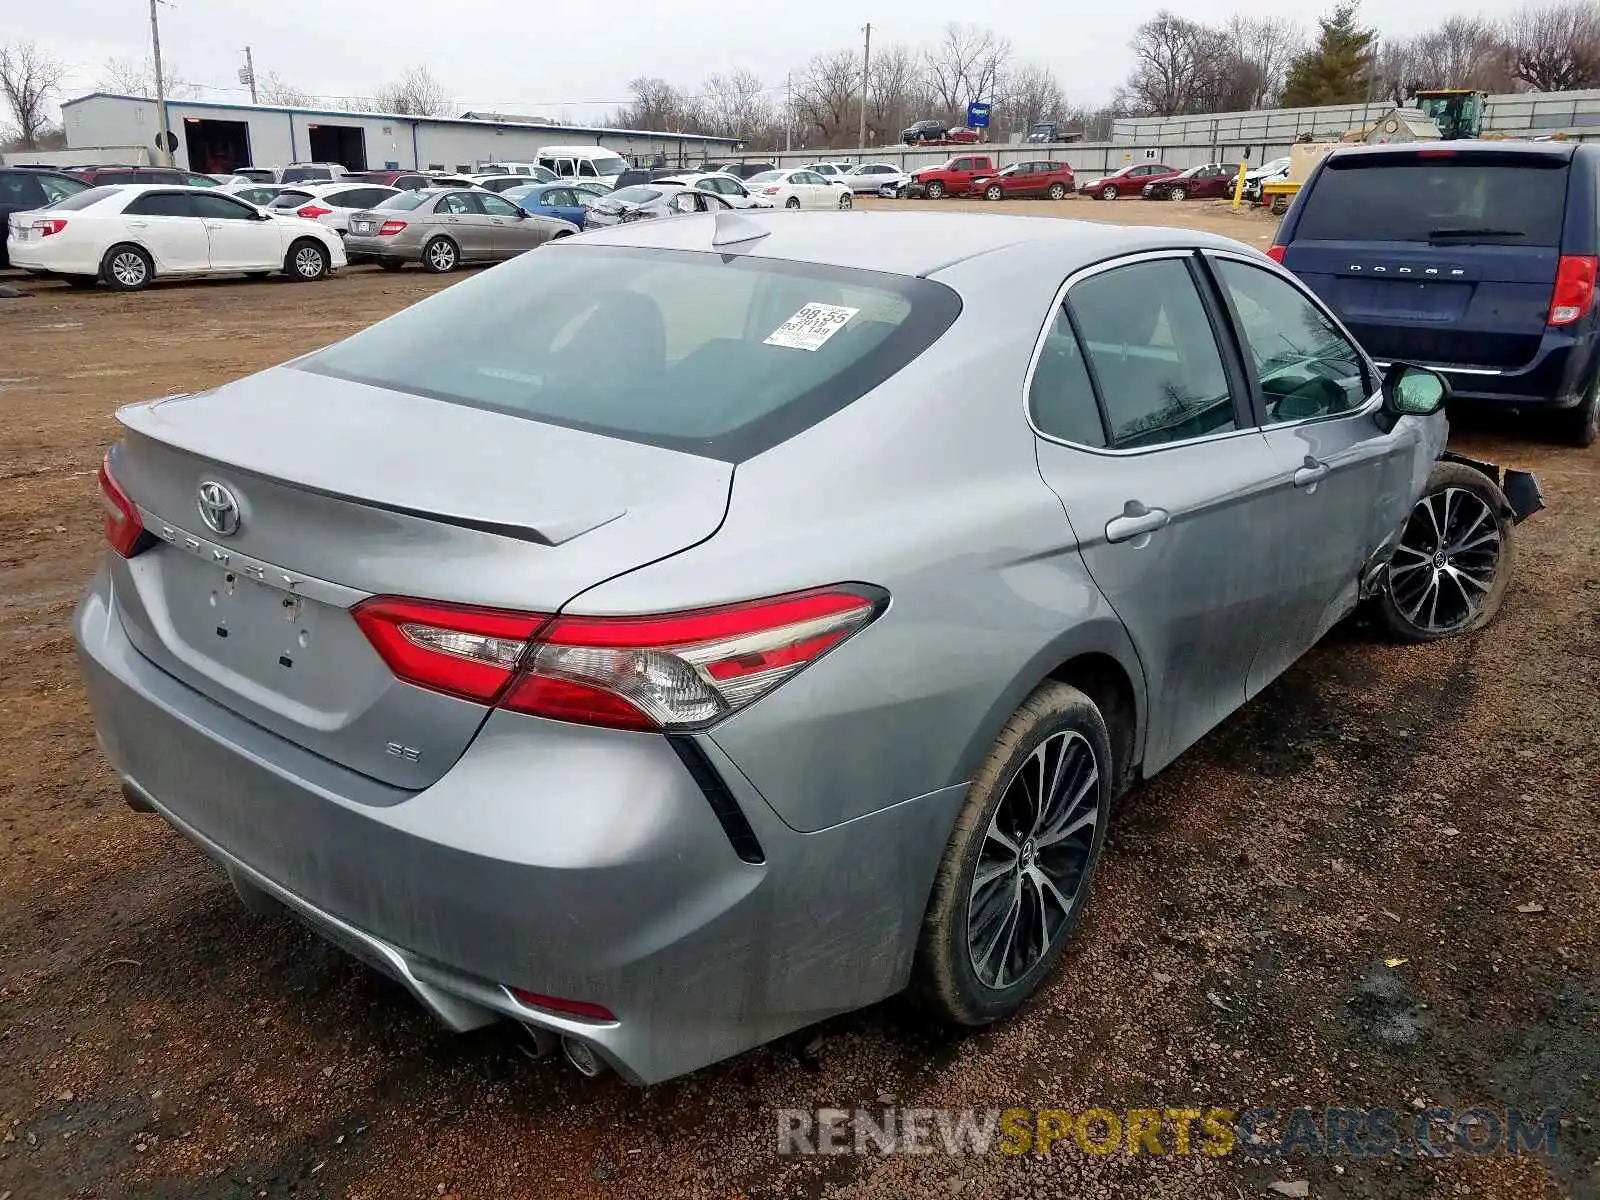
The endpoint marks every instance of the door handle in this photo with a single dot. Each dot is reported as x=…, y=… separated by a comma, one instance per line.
x=1135, y=520
x=1312, y=471
x=138, y=224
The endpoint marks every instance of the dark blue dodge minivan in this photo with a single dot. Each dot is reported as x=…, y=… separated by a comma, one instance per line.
x=1475, y=258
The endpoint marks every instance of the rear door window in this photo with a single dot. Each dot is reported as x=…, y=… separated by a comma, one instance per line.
x=19, y=190
x=1153, y=353
x=160, y=204
x=1446, y=198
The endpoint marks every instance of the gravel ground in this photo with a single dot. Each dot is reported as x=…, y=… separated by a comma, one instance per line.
x=1376, y=804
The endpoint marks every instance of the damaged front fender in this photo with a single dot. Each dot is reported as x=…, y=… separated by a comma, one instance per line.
x=1520, y=488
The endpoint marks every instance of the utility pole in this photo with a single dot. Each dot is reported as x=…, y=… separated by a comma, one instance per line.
x=866, y=74
x=250, y=70
x=161, y=87
x=788, y=112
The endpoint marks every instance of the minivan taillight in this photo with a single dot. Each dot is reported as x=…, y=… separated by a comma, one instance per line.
x=672, y=671
x=1275, y=252
x=1574, y=291
x=124, y=529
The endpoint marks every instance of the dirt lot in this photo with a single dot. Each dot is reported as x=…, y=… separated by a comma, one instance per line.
x=1377, y=803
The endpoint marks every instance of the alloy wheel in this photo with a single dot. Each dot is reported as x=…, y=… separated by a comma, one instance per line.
x=129, y=269
x=1035, y=853
x=1445, y=564
x=442, y=255
x=1179, y=193
x=308, y=262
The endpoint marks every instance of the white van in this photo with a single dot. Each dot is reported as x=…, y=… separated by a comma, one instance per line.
x=583, y=162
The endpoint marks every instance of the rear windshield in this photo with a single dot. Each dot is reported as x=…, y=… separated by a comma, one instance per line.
x=403, y=202
x=635, y=195
x=1455, y=199
x=671, y=348
x=84, y=199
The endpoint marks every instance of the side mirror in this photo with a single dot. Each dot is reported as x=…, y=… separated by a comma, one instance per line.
x=1413, y=391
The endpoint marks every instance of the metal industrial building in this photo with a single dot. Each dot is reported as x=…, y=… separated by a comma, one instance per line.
x=220, y=137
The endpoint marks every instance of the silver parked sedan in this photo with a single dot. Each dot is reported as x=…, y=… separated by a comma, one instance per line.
x=663, y=643
x=442, y=228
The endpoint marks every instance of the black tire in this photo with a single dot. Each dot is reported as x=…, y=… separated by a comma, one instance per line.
x=1178, y=193
x=1109, y=192
x=127, y=268
x=441, y=255
x=307, y=261
x=792, y=202
x=1580, y=426
x=945, y=977
x=934, y=190
x=1058, y=191
x=390, y=264
x=81, y=283
x=1406, y=608
x=994, y=192
x=562, y=234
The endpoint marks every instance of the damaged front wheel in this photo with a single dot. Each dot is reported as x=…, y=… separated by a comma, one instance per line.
x=1452, y=565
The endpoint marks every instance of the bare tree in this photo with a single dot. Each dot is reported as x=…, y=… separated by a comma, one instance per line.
x=1556, y=48
x=656, y=105
x=1262, y=49
x=1180, y=66
x=136, y=77
x=736, y=105
x=964, y=66
x=273, y=90
x=899, y=93
x=416, y=93
x=826, y=98
x=28, y=78
x=1031, y=93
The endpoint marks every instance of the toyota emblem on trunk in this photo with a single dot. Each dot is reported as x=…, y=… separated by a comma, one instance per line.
x=219, y=508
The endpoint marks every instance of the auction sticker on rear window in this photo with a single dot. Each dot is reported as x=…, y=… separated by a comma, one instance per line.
x=812, y=326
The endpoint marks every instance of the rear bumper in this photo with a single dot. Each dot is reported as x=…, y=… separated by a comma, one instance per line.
x=561, y=860
x=1558, y=376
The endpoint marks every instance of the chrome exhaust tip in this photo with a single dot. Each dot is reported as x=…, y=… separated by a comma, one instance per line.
x=135, y=798
x=582, y=1057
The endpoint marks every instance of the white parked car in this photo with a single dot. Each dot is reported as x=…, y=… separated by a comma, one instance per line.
x=331, y=203
x=729, y=188
x=799, y=189
x=126, y=236
x=876, y=179
x=829, y=171
x=312, y=172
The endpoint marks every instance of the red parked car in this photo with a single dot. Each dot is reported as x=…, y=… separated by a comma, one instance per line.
x=1129, y=181
x=1213, y=179
x=1052, y=179
x=952, y=178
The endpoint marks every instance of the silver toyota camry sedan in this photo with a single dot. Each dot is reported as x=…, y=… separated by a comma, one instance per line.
x=700, y=627
x=444, y=228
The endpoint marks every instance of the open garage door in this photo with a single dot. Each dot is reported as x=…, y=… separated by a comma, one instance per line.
x=344, y=144
x=216, y=147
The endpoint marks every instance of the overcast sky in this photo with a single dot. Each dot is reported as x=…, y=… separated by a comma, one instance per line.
x=574, y=60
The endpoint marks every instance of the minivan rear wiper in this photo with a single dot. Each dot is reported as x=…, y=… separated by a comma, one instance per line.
x=1437, y=234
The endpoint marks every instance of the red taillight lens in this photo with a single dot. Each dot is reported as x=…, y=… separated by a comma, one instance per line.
x=124, y=529
x=570, y=1008
x=390, y=228
x=1574, y=291
x=312, y=211
x=46, y=228
x=770, y=191
x=1275, y=253
x=646, y=673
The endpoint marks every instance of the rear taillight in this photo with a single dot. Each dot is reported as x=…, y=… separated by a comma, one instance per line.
x=666, y=672
x=769, y=191
x=1275, y=253
x=312, y=211
x=124, y=529
x=46, y=228
x=390, y=228
x=1574, y=291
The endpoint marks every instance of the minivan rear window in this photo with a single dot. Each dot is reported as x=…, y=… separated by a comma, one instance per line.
x=680, y=349
x=1448, y=197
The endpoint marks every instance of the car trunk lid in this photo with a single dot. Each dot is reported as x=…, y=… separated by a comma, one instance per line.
x=344, y=490
x=1438, y=256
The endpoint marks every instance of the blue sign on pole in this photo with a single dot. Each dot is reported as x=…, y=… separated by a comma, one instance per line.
x=978, y=114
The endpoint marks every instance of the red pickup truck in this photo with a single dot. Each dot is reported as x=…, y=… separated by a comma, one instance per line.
x=953, y=178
